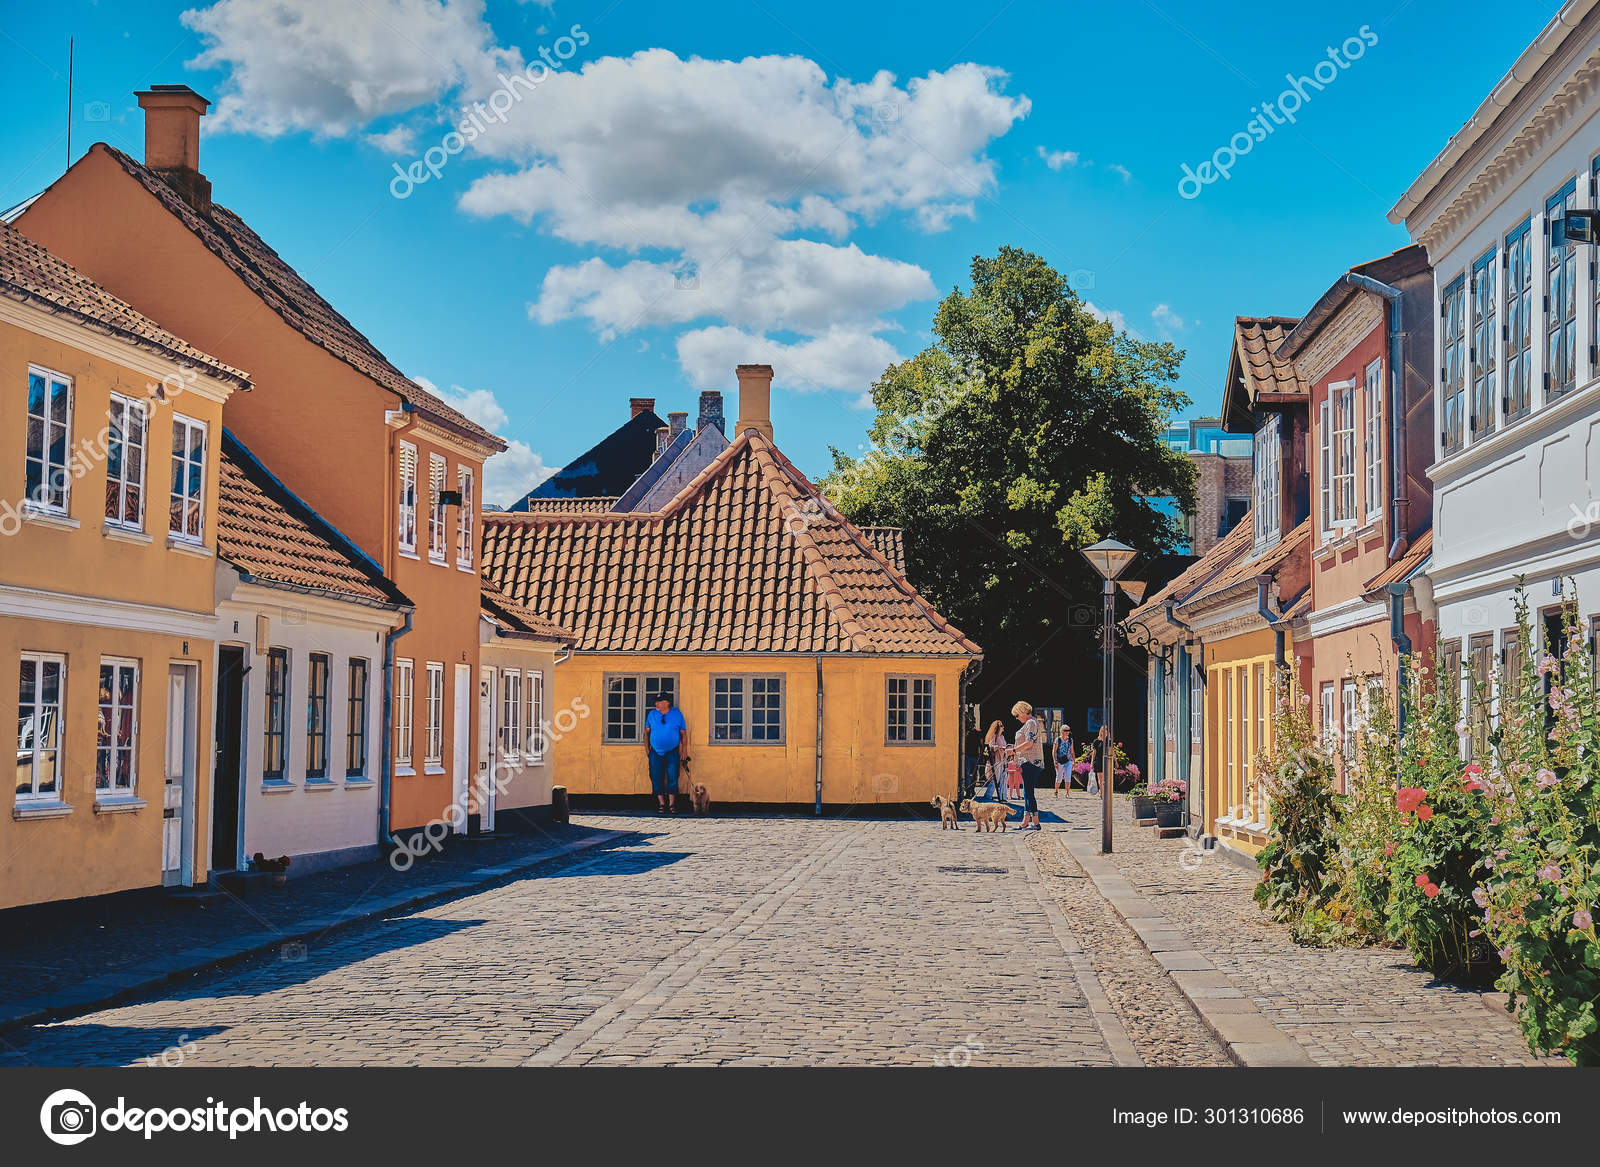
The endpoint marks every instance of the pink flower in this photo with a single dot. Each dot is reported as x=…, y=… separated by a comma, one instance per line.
x=1422, y=879
x=1582, y=920
x=1505, y=955
x=1480, y=897
x=1424, y=812
x=1547, y=779
x=1549, y=872
x=1431, y=890
x=1388, y=849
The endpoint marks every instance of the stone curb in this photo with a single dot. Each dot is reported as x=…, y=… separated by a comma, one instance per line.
x=114, y=988
x=1248, y=1035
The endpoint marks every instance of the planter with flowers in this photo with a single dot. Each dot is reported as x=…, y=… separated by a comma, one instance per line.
x=1171, y=797
x=1144, y=806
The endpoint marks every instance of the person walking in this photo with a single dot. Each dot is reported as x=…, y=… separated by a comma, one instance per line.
x=667, y=743
x=975, y=750
x=1097, y=758
x=1030, y=759
x=1066, y=757
x=995, y=743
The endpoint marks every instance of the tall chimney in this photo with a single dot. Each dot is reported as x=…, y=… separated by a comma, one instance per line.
x=755, y=400
x=677, y=422
x=172, y=116
x=641, y=405
x=711, y=410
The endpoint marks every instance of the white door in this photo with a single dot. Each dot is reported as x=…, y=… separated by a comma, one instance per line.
x=463, y=744
x=487, y=745
x=177, y=824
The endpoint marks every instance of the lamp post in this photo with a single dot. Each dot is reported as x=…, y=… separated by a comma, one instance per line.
x=1110, y=559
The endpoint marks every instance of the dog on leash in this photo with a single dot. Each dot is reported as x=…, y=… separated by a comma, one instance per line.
x=947, y=812
x=700, y=799
x=988, y=813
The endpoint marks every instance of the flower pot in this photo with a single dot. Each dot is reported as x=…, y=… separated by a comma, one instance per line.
x=1144, y=809
x=1169, y=815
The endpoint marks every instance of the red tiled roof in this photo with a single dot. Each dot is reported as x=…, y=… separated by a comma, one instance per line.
x=1233, y=545
x=594, y=504
x=515, y=617
x=272, y=535
x=891, y=544
x=1256, y=339
x=747, y=558
x=30, y=273
x=1410, y=560
x=287, y=293
x=1267, y=563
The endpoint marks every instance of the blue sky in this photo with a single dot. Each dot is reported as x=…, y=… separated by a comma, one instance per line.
x=700, y=185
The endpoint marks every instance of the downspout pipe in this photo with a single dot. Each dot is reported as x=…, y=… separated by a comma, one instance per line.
x=1403, y=647
x=386, y=787
x=1397, y=501
x=819, y=738
x=1274, y=619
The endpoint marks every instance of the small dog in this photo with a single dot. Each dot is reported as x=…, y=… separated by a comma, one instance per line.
x=947, y=812
x=700, y=799
x=987, y=812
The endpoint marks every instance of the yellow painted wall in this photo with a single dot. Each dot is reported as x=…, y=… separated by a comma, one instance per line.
x=1238, y=725
x=858, y=766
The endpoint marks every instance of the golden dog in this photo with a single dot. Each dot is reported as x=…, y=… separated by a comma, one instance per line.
x=987, y=813
x=947, y=813
x=700, y=799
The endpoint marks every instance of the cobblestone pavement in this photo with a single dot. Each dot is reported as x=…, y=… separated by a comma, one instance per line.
x=1345, y=1006
x=723, y=940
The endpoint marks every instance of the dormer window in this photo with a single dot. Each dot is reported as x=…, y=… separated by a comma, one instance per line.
x=1268, y=474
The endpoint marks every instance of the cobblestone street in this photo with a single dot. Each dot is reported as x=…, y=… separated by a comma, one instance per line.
x=771, y=940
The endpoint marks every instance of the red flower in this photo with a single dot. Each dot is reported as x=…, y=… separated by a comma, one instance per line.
x=1424, y=812
x=1422, y=880
x=1431, y=890
x=1408, y=798
x=1388, y=849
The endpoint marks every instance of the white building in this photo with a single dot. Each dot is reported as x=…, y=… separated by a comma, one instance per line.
x=1516, y=472
x=303, y=622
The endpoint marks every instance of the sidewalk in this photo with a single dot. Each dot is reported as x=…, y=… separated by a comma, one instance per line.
x=68, y=959
x=1261, y=993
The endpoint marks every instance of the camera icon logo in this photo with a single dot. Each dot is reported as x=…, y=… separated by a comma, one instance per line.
x=97, y=111
x=68, y=1117
x=294, y=952
x=687, y=278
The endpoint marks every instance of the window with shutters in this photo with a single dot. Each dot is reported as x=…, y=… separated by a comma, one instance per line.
x=436, y=515
x=48, y=472
x=408, y=498
x=1480, y=663
x=1485, y=397
x=125, y=460
x=1452, y=363
x=465, y=536
x=1265, y=506
x=1561, y=297
x=1372, y=439
x=1516, y=331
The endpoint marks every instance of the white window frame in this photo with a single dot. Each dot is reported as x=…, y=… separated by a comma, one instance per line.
x=433, y=740
x=1517, y=262
x=1483, y=301
x=511, y=714
x=111, y=789
x=466, y=519
x=122, y=411
x=1451, y=402
x=1330, y=726
x=1561, y=293
x=438, y=468
x=39, y=660
x=1372, y=447
x=1349, y=719
x=1342, y=405
x=38, y=500
x=189, y=428
x=1268, y=513
x=533, y=692
x=905, y=704
x=405, y=681
x=406, y=530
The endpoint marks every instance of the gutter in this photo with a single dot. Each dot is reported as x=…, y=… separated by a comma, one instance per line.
x=1402, y=643
x=1397, y=503
x=386, y=785
x=1274, y=619
x=819, y=738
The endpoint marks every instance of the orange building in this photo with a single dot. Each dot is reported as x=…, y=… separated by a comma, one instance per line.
x=377, y=455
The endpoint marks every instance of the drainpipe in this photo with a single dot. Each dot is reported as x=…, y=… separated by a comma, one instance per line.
x=819, y=737
x=1402, y=645
x=1397, y=504
x=385, y=834
x=1274, y=619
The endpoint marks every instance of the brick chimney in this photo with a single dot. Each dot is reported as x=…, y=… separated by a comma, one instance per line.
x=711, y=410
x=172, y=116
x=641, y=405
x=677, y=422
x=755, y=400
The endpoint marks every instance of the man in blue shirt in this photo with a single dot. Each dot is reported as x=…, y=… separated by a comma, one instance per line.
x=666, y=742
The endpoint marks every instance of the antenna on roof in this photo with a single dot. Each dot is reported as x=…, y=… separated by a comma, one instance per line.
x=69, y=102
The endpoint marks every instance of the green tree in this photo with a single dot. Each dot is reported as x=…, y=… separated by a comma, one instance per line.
x=1027, y=430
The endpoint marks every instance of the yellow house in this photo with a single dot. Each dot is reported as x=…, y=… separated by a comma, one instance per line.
x=808, y=669
x=109, y=444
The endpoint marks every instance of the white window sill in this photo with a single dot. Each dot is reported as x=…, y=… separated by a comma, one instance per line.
x=320, y=784
x=408, y=554
x=466, y=567
x=276, y=786
x=437, y=560
x=433, y=768
x=43, y=808
x=188, y=547
x=533, y=761
x=359, y=783
x=126, y=534
x=55, y=519
x=118, y=804
x=404, y=772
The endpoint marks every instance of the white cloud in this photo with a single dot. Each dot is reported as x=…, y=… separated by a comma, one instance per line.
x=509, y=475
x=331, y=69
x=842, y=357
x=400, y=140
x=1117, y=320
x=1168, y=321
x=1121, y=171
x=1056, y=159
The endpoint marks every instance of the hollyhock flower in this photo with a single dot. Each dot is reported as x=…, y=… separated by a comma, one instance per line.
x=1388, y=850
x=1431, y=890
x=1547, y=779
x=1549, y=872
x=1480, y=897
x=1505, y=955
x=1582, y=919
x=1547, y=664
x=1424, y=812
x=1422, y=879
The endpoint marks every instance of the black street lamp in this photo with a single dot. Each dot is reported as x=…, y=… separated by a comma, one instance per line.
x=1110, y=559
